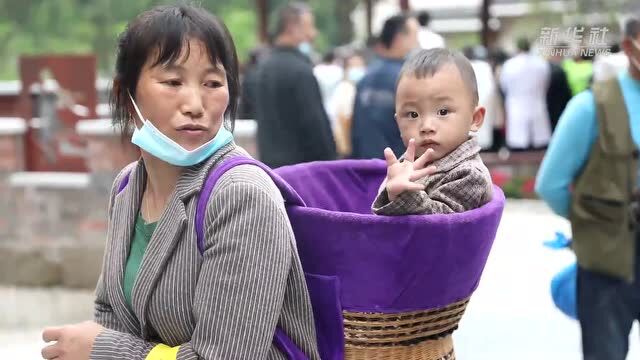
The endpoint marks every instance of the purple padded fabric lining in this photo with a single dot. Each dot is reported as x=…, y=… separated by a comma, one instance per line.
x=321, y=184
x=324, y=292
x=385, y=264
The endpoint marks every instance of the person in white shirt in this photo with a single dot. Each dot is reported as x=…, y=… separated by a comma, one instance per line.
x=487, y=93
x=329, y=74
x=525, y=79
x=341, y=102
x=609, y=65
x=427, y=38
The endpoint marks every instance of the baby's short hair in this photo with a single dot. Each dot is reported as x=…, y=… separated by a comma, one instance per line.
x=428, y=62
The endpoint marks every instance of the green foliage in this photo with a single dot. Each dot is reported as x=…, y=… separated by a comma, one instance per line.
x=31, y=27
x=242, y=24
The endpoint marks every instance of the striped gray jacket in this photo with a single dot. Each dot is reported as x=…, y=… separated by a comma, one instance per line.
x=222, y=304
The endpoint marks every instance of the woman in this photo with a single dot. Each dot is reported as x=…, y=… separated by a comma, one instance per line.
x=158, y=296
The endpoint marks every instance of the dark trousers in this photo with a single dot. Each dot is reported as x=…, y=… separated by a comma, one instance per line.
x=607, y=308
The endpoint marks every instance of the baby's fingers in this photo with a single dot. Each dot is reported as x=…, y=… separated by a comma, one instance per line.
x=419, y=174
x=423, y=159
x=390, y=157
x=400, y=186
x=410, y=154
x=414, y=187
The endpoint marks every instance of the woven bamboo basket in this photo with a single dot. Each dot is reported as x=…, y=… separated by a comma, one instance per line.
x=418, y=335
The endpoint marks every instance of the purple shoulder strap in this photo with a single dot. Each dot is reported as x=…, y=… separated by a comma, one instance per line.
x=124, y=182
x=288, y=193
x=287, y=346
x=280, y=338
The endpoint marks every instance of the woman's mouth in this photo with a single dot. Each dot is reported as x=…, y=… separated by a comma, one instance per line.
x=191, y=127
x=192, y=130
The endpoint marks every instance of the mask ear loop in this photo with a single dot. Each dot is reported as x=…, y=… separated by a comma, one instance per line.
x=137, y=110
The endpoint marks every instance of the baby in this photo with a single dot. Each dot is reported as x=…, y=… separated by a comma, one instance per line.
x=436, y=110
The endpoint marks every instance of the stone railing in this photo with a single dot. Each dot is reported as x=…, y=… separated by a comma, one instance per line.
x=12, y=134
x=57, y=221
x=57, y=233
x=53, y=226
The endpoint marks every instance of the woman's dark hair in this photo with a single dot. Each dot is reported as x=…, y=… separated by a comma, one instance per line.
x=164, y=32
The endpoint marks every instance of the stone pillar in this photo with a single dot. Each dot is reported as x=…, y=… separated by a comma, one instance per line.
x=12, y=132
x=59, y=224
x=70, y=82
x=107, y=151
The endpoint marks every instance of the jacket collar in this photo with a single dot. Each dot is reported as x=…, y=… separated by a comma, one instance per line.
x=193, y=177
x=463, y=152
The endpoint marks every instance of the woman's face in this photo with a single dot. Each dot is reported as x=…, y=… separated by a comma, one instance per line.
x=186, y=100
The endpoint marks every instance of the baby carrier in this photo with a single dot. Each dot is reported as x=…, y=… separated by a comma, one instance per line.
x=381, y=287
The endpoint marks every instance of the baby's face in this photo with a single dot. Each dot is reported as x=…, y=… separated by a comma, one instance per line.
x=437, y=111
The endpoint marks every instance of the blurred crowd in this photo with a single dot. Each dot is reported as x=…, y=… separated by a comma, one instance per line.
x=341, y=104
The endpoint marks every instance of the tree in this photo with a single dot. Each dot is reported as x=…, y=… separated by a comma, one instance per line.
x=30, y=27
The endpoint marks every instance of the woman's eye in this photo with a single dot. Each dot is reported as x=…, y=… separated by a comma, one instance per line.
x=443, y=112
x=213, y=84
x=172, y=82
x=413, y=114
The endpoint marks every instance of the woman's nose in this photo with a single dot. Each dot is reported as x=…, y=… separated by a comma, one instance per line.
x=192, y=104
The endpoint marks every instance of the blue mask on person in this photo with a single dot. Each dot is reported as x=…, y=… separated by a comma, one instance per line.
x=151, y=140
x=356, y=74
x=305, y=48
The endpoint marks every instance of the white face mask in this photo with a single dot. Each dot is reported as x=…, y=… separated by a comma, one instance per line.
x=153, y=141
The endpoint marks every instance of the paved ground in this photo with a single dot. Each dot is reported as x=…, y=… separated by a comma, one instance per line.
x=511, y=316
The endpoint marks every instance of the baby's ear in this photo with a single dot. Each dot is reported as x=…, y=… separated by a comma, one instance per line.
x=478, y=118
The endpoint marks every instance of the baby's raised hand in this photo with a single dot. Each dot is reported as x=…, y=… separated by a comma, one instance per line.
x=401, y=176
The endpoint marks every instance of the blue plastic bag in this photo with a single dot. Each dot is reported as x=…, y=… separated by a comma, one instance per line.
x=564, y=283
x=564, y=290
x=560, y=242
